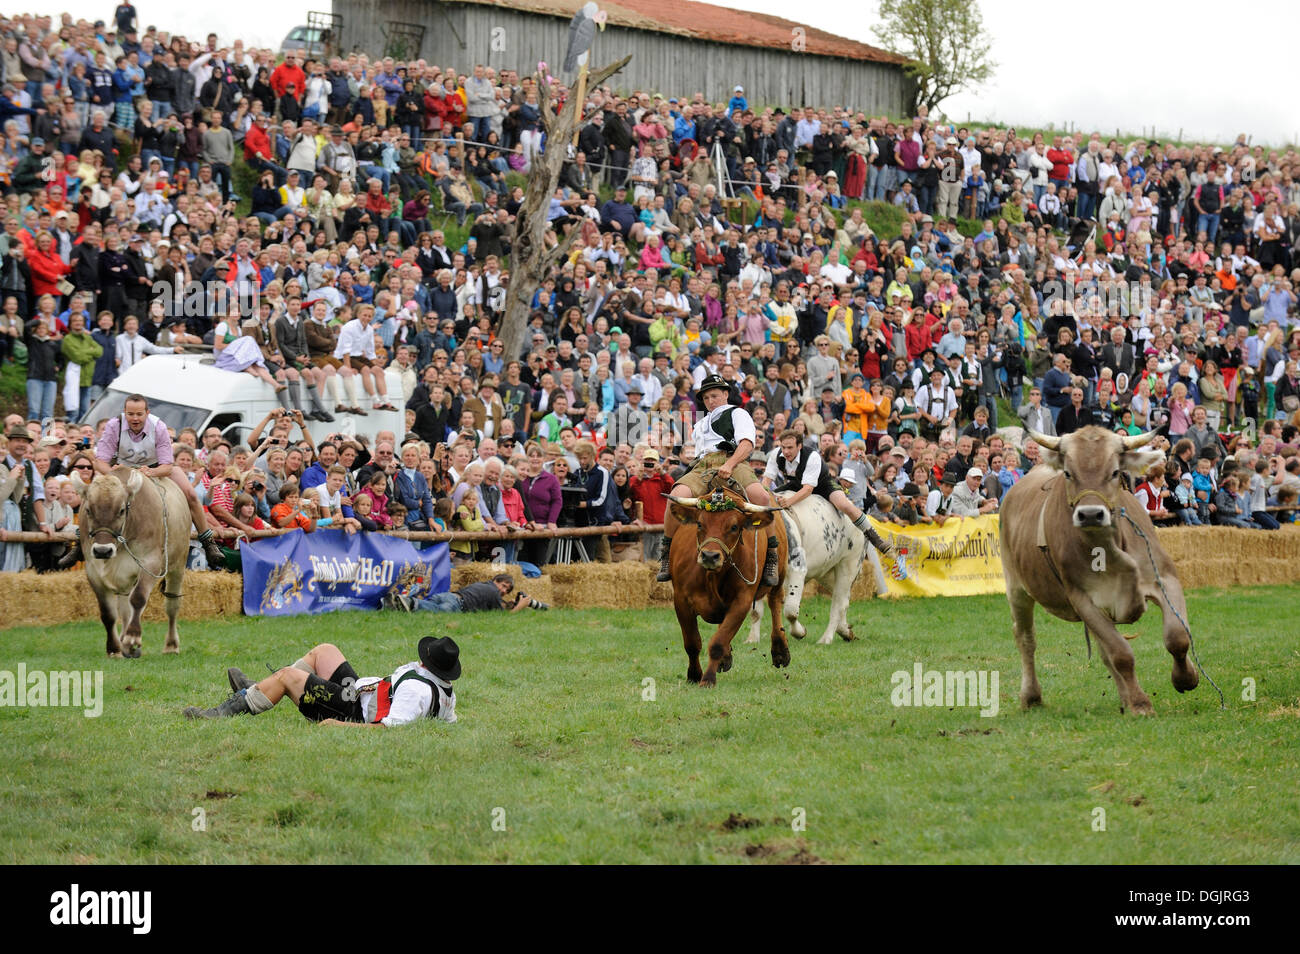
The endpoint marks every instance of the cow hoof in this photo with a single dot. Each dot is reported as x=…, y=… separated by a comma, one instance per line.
x=1142, y=707
x=171, y=650
x=1030, y=702
x=1185, y=679
x=707, y=681
x=114, y=655
x=132, y=653
x=849, y=636
x=725, y=665
x=780, y=658
x=692, y=675
x=826, y=640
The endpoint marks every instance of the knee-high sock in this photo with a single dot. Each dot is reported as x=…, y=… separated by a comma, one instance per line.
x=350, y=385
x=257, y=701
x=313, y=395
x=295, y=394
x=335, y=388
x=282, y=396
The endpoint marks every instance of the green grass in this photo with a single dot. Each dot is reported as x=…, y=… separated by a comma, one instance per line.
x=13, y=388
x=554, y=731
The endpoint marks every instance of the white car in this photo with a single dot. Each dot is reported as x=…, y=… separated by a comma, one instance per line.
x=186, y=390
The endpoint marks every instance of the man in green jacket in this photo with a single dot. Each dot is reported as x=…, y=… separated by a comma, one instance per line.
x=27, y=175
x=81, y=351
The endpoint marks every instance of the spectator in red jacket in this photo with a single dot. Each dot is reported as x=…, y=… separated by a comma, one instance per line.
x=289, y=72
x=47, y=268
x=650, y=483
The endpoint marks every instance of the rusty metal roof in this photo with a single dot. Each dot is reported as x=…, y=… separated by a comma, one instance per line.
x=712, y=23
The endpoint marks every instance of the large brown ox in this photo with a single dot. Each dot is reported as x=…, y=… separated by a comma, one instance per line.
x=135, y=531
x=718, y=575
x=1071, y=543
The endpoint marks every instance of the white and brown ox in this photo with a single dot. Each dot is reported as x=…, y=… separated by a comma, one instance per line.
x=1071, y=543
x=135, y=531
x=828, y=548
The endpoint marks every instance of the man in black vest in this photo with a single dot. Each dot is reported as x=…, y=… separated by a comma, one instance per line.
x=798, y=472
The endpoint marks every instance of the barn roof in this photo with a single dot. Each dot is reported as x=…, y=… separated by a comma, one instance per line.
x=707, y=21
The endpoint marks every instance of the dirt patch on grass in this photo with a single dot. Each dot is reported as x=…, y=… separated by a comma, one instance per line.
x=215, y=794
x=778, y=853
x=736, y=820
x=1293, y=711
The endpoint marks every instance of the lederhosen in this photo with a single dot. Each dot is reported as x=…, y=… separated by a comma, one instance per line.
x=928, y=430
x=793, y=483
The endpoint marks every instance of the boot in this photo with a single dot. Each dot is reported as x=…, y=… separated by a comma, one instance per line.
x=875, y=539
x=238, y=680
x=665, y=574
x=70, y=558
x=771, y=568
x=212, y=550
x=317, y=408
x=237, y=704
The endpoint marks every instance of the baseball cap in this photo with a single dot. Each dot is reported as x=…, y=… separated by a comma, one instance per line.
x=650, y=455
x=37, y=141
x=848, y=477
x=739, y=89
x=975, y=472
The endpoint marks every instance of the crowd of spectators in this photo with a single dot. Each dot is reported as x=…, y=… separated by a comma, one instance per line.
x=1135, y=286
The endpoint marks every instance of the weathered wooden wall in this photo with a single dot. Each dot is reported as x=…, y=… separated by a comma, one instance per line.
x=460, y=35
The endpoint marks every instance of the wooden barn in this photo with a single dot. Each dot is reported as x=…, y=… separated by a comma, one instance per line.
x=677, y=46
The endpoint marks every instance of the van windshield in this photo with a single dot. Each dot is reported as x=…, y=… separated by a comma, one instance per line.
x=176, y=416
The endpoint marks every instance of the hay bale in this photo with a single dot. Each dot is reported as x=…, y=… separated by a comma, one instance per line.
x=46, y=599
x=1225, y=556
x=602, y=585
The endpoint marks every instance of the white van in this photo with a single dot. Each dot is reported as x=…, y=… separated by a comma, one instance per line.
x=186, y=390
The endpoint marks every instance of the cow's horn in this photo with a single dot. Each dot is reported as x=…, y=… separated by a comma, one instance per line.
x=1042, y=440
x=684, y=501
x=134, y=482
x=755, y=508
x=1138, y=440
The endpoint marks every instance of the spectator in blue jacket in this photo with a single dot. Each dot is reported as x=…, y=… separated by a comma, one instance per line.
x=412, y=490
x=618, y=216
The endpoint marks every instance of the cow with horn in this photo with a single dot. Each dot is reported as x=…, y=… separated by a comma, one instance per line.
x=717, y=574
x=737, y=552
x=1076, y=542
x=135, y=526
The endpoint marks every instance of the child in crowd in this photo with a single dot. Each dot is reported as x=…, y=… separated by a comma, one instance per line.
x=291, y=511
x=467, y=518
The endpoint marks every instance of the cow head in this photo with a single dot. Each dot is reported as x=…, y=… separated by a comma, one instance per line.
x=103, y=509
x=719, y=520
x=1092, y=460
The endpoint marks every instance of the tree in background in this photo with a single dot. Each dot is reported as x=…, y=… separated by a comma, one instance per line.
x=945, y=42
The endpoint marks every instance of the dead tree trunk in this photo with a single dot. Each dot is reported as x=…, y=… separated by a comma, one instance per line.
x=530, y=259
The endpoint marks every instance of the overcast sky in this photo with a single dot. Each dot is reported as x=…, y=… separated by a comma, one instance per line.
x=1126, y=66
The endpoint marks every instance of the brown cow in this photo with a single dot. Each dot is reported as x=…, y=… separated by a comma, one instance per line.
x=135, y=531
x=717, y=574
x=1071, y=543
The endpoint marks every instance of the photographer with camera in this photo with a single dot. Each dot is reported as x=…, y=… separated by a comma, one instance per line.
x=650, y=483
x=474, y=598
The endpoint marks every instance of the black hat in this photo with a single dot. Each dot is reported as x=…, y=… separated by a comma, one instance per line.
x=712, y=382
x=911, y=490
x=708, y=351
x=441, y=656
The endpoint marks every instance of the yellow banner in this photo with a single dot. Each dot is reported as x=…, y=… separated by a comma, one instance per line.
x=961, y=558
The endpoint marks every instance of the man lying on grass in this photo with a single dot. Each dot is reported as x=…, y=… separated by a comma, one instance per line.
x=415, y=690
x=488, y=595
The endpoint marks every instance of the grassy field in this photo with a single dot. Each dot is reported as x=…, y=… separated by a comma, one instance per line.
x=558, y=744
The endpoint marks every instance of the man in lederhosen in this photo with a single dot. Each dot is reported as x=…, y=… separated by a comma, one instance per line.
x=724, y=438
x=798, y=471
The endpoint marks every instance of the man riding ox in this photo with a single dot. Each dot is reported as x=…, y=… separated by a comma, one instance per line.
x=135, y=527
x=137, y=439
x=1075, y=541
x=724, y=438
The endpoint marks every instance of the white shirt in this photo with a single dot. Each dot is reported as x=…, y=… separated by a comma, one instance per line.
x=942, y=404
x=412, y=699
x=651, y=389
x=778, y=468
x=356, y=340
x=130, y=349
x=707, y=440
